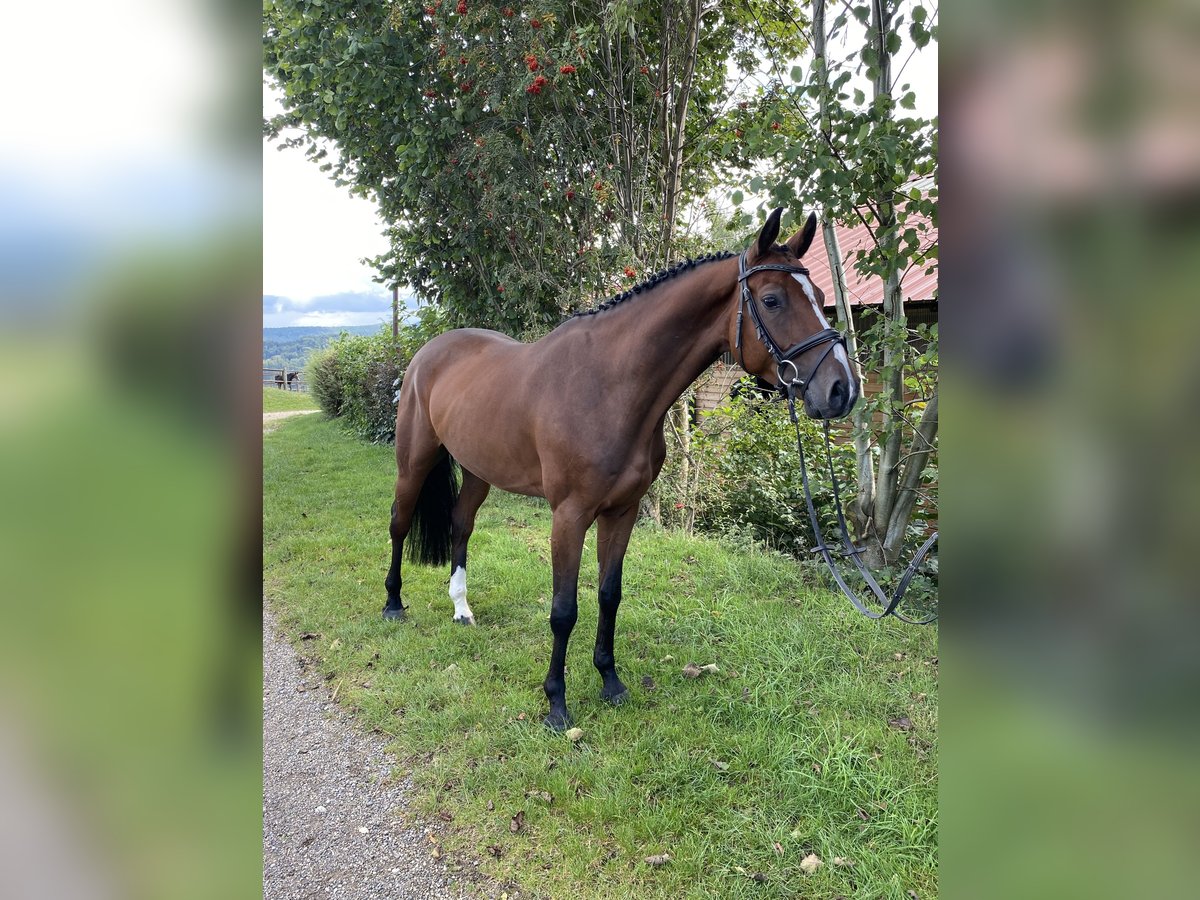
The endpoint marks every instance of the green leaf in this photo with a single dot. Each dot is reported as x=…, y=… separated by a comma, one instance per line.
x=797, y=73
x=737, y=198
x=859, y=97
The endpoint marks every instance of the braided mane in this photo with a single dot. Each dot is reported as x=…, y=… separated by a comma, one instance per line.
x=654, y=280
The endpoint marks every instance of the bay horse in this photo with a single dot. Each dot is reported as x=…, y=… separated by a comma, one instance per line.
x=577, y=418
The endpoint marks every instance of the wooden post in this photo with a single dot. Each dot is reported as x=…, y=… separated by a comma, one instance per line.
x=395, y=314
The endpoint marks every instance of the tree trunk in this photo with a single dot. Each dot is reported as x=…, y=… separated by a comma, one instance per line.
x=918, y=455
x=676, y=122
x=395, y=315
x=859, y=508
x=886, y=481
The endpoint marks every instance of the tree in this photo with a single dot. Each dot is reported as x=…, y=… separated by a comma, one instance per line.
x=856, y=157
x=523, y=157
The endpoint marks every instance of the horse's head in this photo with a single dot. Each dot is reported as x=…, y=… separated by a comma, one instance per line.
x=780, y=332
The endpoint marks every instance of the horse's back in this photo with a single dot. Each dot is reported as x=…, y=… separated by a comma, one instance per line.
x=465, y=339
x=454, y=355
x=473, y=387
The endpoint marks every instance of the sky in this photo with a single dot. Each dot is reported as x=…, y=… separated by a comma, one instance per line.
x=316, y=234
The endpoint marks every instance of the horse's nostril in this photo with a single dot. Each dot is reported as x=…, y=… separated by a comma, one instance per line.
x=838, y=395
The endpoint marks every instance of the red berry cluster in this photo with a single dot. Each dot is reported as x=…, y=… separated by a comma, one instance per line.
x=508, y=12
x=775, y=126
x=567, y=70
x=630, y=273
x=535, y=23
x=461, y=9
x=431, y=93
x=532, y=62
x=538, y=83
x=466, y=86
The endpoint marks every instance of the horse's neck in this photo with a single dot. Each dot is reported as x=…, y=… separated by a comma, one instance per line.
x=668, y=337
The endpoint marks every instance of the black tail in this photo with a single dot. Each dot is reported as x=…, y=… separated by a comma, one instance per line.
x=429, y=536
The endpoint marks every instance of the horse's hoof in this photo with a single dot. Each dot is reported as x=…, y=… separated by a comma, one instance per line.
x=465, y=620
x=615, y=699
x=398, y=614
x=557, y=722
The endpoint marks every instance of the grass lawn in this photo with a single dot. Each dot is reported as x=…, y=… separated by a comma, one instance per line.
x=275, y=400
x=738, y=776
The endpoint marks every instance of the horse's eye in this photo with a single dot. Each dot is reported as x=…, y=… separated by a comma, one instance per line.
x=771, y=301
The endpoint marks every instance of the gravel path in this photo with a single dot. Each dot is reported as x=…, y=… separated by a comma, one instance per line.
x=334, y=822
x=271, y=420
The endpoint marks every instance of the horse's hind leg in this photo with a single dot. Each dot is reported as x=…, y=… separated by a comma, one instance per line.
x=612, y=539
x=471, y=495
x=419, y=457
x=401, y=521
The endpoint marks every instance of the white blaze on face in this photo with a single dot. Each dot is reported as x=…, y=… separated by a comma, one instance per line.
x=458, y=593
x=839, y=352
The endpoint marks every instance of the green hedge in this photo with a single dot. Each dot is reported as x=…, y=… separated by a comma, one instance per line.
x=752, y=483
x=357, y=377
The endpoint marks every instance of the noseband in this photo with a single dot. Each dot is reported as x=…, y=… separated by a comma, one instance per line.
x=783, y=358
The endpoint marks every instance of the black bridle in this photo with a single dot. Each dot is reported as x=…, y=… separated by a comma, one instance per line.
x=794, y=387
x=830, y=336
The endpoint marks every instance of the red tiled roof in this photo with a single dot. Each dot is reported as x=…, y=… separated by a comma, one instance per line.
x=916, y=285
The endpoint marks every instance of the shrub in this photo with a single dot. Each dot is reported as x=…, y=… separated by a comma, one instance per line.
x=752, y=482
x=324, y=379
x=357, y=377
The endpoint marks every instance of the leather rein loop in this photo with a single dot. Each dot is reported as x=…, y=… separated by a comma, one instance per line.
x=888, y=604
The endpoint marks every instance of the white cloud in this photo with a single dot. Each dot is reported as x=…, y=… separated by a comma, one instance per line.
x=314, y=233
x=323, y=319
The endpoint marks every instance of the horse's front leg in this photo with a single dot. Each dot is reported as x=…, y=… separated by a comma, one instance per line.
x=566, y=547
x=612, y=539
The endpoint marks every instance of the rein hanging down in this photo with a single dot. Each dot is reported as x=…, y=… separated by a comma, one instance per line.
x=890, y=605
x=786, y=358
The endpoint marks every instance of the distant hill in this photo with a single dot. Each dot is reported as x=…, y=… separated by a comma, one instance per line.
x=291, y=346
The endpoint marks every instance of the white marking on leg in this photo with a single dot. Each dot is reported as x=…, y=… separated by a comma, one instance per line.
x=839, y=352
x=458, y=593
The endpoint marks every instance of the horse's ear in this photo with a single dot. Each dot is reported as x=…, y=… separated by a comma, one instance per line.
x=799, y=242
x=770, y=231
